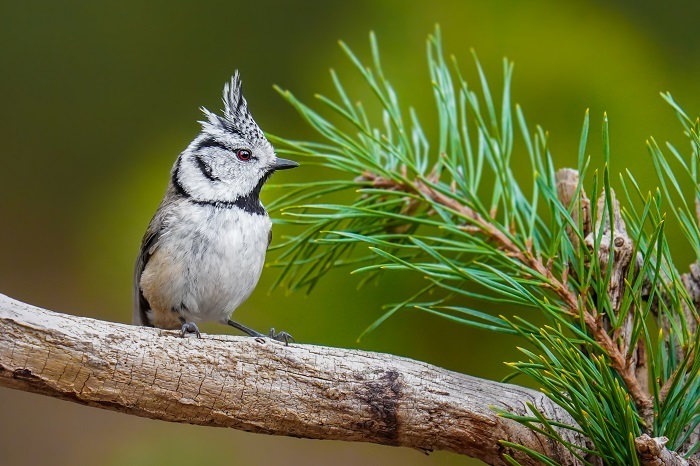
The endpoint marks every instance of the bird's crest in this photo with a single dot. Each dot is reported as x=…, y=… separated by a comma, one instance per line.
x=236, y=117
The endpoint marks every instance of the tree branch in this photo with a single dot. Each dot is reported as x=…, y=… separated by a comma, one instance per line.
x=261, y=386
x=570, y=300
x=653, y=452
x=628, y=358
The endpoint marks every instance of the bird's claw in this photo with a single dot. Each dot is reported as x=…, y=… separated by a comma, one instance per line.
x=282, y=336
x=189, y=327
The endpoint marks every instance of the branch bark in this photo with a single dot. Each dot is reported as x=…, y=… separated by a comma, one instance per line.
x=629, y=358
x=653, y=452
x=261, y=386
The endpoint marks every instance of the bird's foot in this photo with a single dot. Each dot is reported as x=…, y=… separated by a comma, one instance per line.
x=282, y=336
x=190, y=327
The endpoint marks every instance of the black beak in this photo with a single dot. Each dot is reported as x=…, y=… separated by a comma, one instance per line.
x=284, y=164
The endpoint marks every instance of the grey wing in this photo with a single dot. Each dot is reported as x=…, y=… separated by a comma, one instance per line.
x=148, y=247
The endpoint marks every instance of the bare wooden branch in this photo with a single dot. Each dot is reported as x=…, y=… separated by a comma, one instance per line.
x=261, y=386
x=567, y=185
x=653, y=452
x=691, y=281
x=614, y=245
x=615, y=252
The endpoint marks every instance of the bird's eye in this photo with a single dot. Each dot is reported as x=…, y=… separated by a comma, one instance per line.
x=243, y=154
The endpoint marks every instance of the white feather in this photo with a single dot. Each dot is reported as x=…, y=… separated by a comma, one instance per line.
x=207, y=263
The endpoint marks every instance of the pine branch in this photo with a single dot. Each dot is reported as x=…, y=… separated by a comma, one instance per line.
x=601, y=275
x=526, y=257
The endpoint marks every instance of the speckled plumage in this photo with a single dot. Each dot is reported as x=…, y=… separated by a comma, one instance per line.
x=204, y=250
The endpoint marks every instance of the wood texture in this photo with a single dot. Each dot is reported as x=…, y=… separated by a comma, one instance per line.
x=262, y=386
x=653, y=452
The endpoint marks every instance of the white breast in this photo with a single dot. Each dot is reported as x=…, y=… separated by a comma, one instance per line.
x=207, y=262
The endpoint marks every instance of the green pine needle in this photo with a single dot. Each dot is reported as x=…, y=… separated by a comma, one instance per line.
x=453, y=211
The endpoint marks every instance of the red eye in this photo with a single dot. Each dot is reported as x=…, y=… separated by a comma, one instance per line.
x=243, y=154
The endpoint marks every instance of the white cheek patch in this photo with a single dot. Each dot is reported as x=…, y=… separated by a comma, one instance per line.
x=231, y=184
x=211, y=174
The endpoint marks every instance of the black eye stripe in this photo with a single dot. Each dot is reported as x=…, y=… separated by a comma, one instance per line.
x=210, y=142
x=206, y=169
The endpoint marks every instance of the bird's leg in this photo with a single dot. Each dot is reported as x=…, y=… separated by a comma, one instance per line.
x=189, y=327
x=281, y=336
x=244, y=329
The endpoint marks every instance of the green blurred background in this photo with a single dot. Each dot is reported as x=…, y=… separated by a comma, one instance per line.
x=98, y=98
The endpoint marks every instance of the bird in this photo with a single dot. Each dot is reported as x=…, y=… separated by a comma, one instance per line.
x=204, y=249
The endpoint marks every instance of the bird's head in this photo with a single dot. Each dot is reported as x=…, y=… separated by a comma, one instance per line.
x=231, y=158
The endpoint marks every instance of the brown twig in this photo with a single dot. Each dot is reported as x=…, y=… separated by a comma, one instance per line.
x=567, y=184
x=663, y=391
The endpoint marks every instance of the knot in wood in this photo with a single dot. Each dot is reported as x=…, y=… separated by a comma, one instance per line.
x=382, y=396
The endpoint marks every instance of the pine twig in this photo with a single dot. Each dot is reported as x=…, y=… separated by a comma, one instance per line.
x=598, y=302
x=617, y=354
